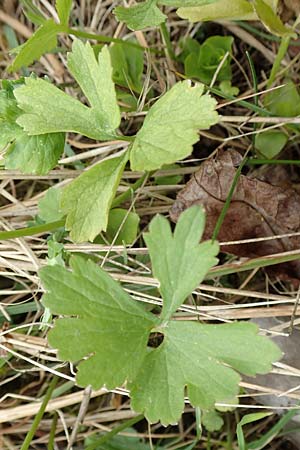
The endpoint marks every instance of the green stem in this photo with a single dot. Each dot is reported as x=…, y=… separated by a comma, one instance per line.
x=50, y=445
x=30, y=231
x=167, y=41
x=283, y=48
x=101, y=38
x=39, y=415
x=129, y=423
x=255, y=162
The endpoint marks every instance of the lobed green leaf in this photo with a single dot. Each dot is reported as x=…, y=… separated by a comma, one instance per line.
x=171, y=126
x=179, y=262
x=87, y=200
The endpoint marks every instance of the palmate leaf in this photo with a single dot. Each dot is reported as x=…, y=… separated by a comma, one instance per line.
x=171, y=126
x=47, y=109
x=110, y=331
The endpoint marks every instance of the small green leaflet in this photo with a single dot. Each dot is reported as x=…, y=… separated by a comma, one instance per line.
x=109, y=324
x=142, y=15
x=63, y=8
x=42, y=41
x=47, y=109
x=87, y=200
x=110, y=333
x=186, y=260
x=171, y=126
x=124, y=223
x=35, y=154
x=128, y=66
x=31, y=154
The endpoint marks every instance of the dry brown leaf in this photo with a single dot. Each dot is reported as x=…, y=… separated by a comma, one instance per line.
x=257, y=209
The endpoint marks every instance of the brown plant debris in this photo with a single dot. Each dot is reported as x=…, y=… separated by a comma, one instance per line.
x=257, y=209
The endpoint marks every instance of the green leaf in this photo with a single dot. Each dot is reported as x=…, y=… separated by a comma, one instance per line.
x=145, y=14
x=87, y=200
x=248, y=418
x=271, y=20
x=110, y=332
x=44, y=40
x=49, y=205
x=128, y=65
x=212, y=420
x=49, y=110
x=220, y=10
x=35, y=154
x=203, y=358
x=270, y=143
x=95, y=79
x=227, y=88
x=63, y=8
x=284, y=101
x=205, y=62
x=125, y=224
x=171, y=126
x=109, y=328
x=178, y=261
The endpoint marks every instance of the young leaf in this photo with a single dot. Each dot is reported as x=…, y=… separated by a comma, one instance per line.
x=171, y=126
x=49, y=110
x=203, y=358
x=128, y=65
x=109, y=328
x=95, y=79
x=87, y=200
x=179, y=262
x=35, y=154
x=127, y=229
x=49, y=205
x=44, y=40
x=271, y=20
x=270, y=143
x=63, y=8
x=145, y=14
x=204, y=63
x=220, y=10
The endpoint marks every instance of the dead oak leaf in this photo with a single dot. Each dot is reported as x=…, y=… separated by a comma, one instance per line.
x=257, y=209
